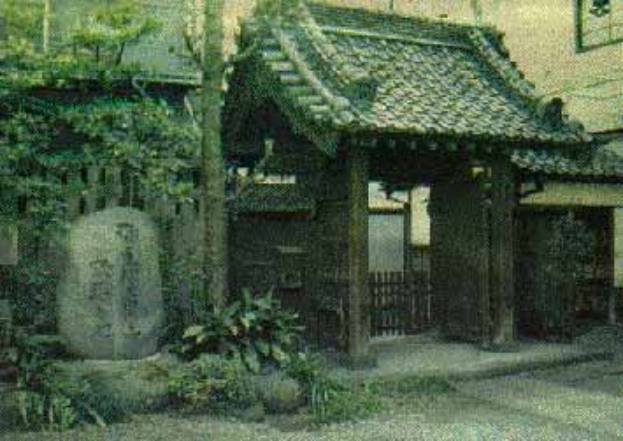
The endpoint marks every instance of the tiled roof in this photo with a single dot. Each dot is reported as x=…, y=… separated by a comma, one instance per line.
x=273, y=198
x=602, y=163
x=362, y=71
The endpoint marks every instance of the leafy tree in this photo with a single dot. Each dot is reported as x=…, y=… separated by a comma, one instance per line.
x=213, y=167
x=107, y=30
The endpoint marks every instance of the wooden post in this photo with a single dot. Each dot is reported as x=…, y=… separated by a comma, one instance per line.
x=612, y=293
x=408, y=220
x=502, y=251
x=579, y=25
x=358, y=287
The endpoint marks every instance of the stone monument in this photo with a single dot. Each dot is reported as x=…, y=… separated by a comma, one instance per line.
x=109, y=299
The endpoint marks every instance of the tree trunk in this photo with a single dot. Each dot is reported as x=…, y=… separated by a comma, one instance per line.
x=213, y=169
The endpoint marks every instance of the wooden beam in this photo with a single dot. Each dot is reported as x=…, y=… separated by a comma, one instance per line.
x=502, y=251
x=358, y=296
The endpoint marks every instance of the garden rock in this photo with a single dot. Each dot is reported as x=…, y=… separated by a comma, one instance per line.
x=122, y=387
x=109, y=299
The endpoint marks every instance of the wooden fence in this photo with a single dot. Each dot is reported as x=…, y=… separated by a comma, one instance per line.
x=400, y=303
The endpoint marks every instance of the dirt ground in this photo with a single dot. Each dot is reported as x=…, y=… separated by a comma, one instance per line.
x=579, y=402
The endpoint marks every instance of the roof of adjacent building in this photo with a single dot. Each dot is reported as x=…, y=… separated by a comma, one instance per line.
x=362, y=71
x=602, y=163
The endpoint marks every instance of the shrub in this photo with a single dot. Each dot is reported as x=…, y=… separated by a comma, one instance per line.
x=212, y=382
x=45, y=399
x=329, y=399
x=400, y=386
x=253, y=329
x=345, y=404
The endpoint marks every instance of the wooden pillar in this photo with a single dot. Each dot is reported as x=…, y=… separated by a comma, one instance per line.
x=614, y=239
x=358, y=298
x=408, y=220
x=502, y=251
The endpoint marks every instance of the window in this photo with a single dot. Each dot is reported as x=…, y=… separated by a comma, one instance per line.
x=598, y=23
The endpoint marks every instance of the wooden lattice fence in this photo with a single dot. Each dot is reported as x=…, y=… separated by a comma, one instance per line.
x=400, y=303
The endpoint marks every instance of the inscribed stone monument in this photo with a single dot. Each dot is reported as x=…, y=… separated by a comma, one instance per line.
x=109, y=299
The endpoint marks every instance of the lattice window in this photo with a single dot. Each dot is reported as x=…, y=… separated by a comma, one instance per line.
x=598, y=23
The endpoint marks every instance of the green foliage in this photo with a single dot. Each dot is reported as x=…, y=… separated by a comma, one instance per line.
x=213, y=383
x=94, y=48
x=332, y=402
x=45, y=399
x=329, y=399
x=146, y=138
x=43, y=138
x=273, y=8
x=570, y=247
x=182, y=288
x=23, y=28
x=400, y=386
x=253, y=329
x=40, y=145
x=106, y=31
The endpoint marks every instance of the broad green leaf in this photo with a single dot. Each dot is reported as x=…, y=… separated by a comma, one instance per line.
x=193, y=331
x=263, y=348
x=251, y=360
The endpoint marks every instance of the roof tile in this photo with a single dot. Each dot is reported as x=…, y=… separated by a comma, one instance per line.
x=425, y=77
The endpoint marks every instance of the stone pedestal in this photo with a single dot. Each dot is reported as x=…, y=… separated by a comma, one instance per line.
x=109, y=299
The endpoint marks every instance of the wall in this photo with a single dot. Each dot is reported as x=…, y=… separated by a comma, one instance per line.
x=253, y=241
x=386, y=242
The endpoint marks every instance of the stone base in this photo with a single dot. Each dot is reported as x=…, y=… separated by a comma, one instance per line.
x=122, y=348
x=126, y=386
